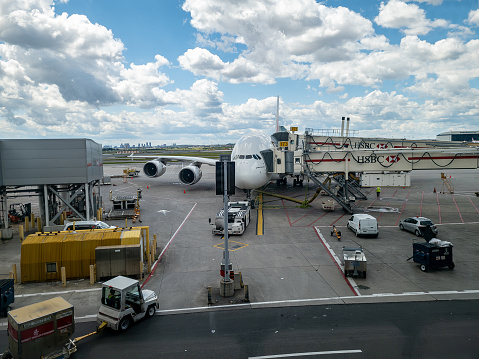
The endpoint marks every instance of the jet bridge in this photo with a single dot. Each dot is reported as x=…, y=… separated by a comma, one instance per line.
x=338, y=164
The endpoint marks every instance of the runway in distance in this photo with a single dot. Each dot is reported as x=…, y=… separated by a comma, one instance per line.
x=250, y=168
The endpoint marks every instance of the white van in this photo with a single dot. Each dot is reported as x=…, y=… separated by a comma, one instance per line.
x=363, y=224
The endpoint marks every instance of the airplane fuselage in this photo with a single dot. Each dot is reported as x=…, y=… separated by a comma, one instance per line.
x=250, y=168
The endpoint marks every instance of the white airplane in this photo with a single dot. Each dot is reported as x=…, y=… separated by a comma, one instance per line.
x=250, y=168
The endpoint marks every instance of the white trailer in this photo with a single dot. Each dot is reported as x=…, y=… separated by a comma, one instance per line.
x=239, y=214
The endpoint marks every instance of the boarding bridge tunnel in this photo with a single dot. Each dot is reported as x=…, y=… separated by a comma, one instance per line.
x=355, y=162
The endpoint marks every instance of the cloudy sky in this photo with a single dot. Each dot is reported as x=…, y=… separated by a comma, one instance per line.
x=207, y=71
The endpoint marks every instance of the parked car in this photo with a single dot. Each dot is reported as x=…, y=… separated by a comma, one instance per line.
x=412, y=224
x=81, y=225
x=363, y=224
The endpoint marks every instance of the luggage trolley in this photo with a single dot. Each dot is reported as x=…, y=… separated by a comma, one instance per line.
x=354, y=262
x=433, y=253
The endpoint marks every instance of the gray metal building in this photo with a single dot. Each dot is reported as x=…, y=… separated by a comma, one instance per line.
x=62, y=172
x=465, y=136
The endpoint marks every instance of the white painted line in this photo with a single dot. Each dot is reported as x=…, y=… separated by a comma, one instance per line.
x=350, y=280
x=153, y=268
x=307, y=354
x=57, y=293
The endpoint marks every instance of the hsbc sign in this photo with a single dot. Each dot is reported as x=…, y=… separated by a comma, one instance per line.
x=382, y=146
x=392, y=159
x=373, y=158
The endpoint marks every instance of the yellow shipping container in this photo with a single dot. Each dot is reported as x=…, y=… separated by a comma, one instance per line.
x=43, y=255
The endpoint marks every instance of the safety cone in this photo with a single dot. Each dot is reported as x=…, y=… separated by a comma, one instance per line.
x=434, y=190
x=147, y=187
x=184, y=191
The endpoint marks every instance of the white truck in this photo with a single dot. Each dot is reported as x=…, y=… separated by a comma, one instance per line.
x=239, y=214
x=123, y=302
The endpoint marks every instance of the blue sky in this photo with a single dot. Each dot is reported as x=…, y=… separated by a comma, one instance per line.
x=208, y=71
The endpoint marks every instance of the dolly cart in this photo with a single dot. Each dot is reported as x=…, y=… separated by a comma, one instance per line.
x=433, y=253
x=354, y=261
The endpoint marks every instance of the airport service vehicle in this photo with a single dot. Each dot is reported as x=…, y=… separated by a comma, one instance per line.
x=239, y=214
x=354, y=262
x=123, y=302
x=434, y=253
x=363, y=224
x=82, y=225
x=413, y=224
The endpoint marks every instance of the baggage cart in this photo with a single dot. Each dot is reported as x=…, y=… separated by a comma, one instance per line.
x=433, y=253
x=355, y=263
x=42, y=330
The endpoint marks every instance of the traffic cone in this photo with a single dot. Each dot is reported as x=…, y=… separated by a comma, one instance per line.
x=434, y=190
x=184, y=191
x=147, y=187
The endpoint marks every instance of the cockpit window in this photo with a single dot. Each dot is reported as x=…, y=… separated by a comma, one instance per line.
x=259, y=157
x=241, y=157
x=248, y=157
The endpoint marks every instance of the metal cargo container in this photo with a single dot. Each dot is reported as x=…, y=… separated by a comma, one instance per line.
x=117, y=260
x=354, y=262
x=43, y=254
x=40, y=329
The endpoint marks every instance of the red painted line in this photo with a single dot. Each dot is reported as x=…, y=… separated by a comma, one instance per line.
x=458, y=211
x=317, y=219
x=336, y=263
x=338, y=219
x=402, y=209
x=438, y=207
x=285, y=211
x=166, y=247
x=477, y=210
x=314, y=209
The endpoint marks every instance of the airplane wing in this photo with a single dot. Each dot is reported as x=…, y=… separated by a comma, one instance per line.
x=190, y=174
x=196, y=161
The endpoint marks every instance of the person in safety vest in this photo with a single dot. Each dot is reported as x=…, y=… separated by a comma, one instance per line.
x=378, y=191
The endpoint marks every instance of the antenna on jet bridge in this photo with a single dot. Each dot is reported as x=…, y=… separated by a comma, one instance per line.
x=277, y=114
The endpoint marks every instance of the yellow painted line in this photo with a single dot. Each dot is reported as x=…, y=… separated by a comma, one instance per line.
x=259, y=226
x=231, y=247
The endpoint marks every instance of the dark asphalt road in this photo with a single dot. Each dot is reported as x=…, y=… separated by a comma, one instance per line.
x=439, y=329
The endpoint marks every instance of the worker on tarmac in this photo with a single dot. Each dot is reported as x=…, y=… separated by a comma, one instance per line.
x=378, y=192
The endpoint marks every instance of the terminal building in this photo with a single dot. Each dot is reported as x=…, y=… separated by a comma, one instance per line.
x=464, y=136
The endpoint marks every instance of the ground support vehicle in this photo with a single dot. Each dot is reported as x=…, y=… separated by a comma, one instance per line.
x=123, y=302
x=7, y=294
x=433, y=253
x=363, y=224
x=239, y=214
x=355, y=263
x=18, y=212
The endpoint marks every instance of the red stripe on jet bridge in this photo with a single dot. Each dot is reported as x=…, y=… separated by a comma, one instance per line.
x=325, y=143
x=409, y=147
x=459, y=157
x=327, y=160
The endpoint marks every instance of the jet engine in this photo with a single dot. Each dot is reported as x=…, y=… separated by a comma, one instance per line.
x=154, y=168
x=190, y=174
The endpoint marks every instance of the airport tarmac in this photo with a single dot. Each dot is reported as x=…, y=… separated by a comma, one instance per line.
x=295, y=261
